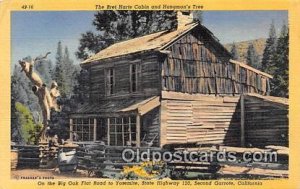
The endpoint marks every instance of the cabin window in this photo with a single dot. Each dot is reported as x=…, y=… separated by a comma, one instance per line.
x=101, y=130
x=110, y=81
x=133, y=77
x=122, y=131
x=83, y=129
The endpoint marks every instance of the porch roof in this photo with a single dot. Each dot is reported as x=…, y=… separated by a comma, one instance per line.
x=142, y=106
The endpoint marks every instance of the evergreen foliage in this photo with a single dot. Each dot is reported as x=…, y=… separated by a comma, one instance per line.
x=80, y=89
x=29, y=130
x=268, y=60
x=65, y=71
x=234, y=52
x=276, y=60
x=252, y=57
x=280, y=82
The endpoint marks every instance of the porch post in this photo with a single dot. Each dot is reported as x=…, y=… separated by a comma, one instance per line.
x=71, y=129
x=242, y=101
x=138, y=130
x=108, y=137
x=95, y=130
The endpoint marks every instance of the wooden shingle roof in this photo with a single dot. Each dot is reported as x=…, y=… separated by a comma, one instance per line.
x=155, y=41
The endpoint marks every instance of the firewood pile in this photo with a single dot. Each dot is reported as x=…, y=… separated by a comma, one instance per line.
x=48, y=152
x=48, y=155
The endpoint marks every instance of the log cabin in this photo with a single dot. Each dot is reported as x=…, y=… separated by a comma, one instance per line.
x=178, y=86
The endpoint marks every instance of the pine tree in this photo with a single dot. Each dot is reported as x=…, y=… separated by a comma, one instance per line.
x=64, y=71
x=234, y=52
x=281, y=75
x=71, y=72
x=252, y=58
x=81, y=95
x=60, y=70
x=69, y=69
x=268, y=60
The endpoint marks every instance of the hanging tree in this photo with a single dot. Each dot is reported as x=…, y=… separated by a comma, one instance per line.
x=47, y=98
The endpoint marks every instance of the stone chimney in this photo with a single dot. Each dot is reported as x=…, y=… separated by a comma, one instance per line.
x=184, y=18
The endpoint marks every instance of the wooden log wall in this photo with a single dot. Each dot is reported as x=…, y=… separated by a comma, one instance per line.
x=265, y=124
x=147, y=77
x=96, y=84
x=207, y=120
x=195, y=66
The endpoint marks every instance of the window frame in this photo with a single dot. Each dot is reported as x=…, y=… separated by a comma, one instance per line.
x=114, y=132
x=84, y=127
x=110, y=78
x=133, y=77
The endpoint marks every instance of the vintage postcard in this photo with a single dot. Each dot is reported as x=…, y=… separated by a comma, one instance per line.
x=149, y=94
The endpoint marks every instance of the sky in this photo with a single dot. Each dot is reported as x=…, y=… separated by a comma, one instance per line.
x=35, y=33
x=235, y=26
